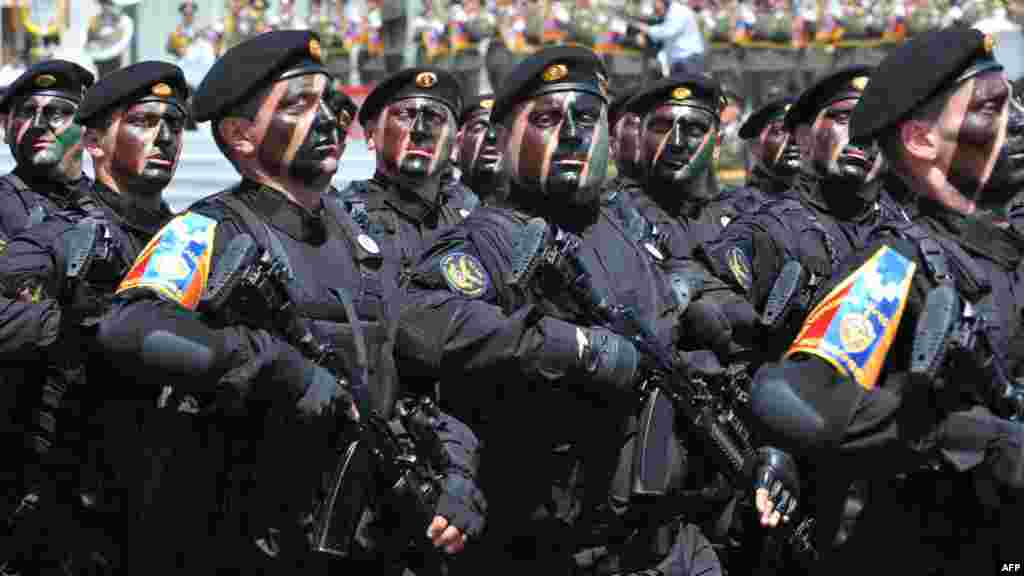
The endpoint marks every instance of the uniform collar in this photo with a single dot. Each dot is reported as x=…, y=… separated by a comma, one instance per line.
x=767, y=182
x=406, y=202
x=811, y=189
x=143, y=221
x=61, y=192
x=283, y=214
x=977, y=233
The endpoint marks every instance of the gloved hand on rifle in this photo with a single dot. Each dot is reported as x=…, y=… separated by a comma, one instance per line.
x=461, y=507
x=313, y=388
x=776, y=486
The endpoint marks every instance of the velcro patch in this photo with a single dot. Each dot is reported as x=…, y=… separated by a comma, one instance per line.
x=464, y=274
x=176, y=262
x=854, y=326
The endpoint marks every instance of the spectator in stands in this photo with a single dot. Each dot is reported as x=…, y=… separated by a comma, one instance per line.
x=682, y=43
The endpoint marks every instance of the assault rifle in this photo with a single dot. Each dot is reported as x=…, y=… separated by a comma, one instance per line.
x=950, y=329
x=250, y=284
x=667, y=390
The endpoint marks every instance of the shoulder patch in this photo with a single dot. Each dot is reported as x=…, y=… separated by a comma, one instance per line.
x=854, y=326
x=739, y=265
x=464, y=274
x=176, y=262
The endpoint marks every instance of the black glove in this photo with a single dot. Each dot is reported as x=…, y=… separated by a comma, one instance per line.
x=323, y=392
x=775, y=471
x=313, y=388
x=610, y=360
x=700, y=364
x=463, y=504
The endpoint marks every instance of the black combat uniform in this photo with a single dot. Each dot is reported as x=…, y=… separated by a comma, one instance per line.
x=767, y=181
x=408, y=213
x=234, y=493
x=65, y=271
x=26, y=196
x=856, y=389
x=536, y=377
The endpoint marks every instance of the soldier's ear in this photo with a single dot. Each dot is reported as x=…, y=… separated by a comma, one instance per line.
x=920, y=140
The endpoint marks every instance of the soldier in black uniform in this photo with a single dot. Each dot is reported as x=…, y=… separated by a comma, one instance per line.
x=861, y=388
x=834, y=207
x=345, y=110
x=58, y=278
x=225, y=372
x=623, y=194
x=546, y=385
x=411, y=120
x=45, y=141
x=1011, y=176
x=479, y=156
x=774, y=150
x=38, y=109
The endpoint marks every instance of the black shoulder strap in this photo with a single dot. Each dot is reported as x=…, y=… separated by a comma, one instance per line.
x=936, y=251
x=779, y=209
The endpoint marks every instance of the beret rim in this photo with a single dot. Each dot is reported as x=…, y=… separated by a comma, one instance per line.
x=810, y=102
x=446, y=90
x=523, y=81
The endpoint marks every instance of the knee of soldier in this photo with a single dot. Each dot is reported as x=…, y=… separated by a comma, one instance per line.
x=779, y=406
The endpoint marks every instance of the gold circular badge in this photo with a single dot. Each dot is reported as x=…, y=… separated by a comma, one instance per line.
x=314, y=49
x=860, y=83
x=487, y=104
x=681, y=93
x=426, y=79
x=344, y=119
x=555, y=72
x=856, y=333
x=162, y=90
x=990, y=43
x=788, y=106
x=45, y=81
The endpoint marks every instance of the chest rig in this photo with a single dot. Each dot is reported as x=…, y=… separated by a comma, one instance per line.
x=35, y=210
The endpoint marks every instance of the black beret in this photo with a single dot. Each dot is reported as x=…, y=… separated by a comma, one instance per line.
x=475, y=104
x=849, y=82
x=49, y=77
x=553, y=69
x=695, y=90
x=425, y=81
x=758, y=120
x=249, y=67
x=618, y=105
x=916, y=71
x=142, y=82
x=341, y=103
x=181, y=7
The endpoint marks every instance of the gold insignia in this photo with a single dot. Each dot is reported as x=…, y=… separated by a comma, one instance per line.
x=464, y=274
x=856, y=333
x=990, y=43
x=603, y=83
x=555, y=72
x=860, y=83
x=681, y=93
x=314, y=50
x=739, y=267
x=487, y=104
x=426, y=79
x=344, y=119
x=3, y=246
x=45, y=81
x=788, y=106
x=162, y=90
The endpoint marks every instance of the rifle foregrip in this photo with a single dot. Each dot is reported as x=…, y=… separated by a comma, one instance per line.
x=80, y=242
x=737, y=458
x=784, y=292
x=528, y=251
x=931, y=336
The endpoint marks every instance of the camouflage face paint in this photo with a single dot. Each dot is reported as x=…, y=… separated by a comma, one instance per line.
x=414, y=137
x=558, y=147
x=973, y=127
x=1008, y=173
x=300, y=137
x=831, y=154
x=43, y=136
x=479, y=156
x=627, y=137
x=145, y=146
x=678, y=143
x=777, y=150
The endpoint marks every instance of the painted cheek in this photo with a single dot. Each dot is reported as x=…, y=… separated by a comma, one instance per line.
x=443, y=147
